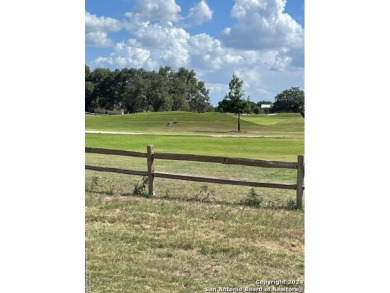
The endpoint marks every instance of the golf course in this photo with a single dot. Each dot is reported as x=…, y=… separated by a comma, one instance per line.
x=191, y=236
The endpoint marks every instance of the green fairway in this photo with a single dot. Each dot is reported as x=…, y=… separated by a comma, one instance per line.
x=284, y=125
x=284, y=122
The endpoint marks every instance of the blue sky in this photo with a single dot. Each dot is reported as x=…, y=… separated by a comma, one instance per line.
x=261, y=41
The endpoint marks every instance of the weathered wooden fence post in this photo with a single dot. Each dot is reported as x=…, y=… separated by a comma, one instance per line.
x=300, y=178
x=150, y=162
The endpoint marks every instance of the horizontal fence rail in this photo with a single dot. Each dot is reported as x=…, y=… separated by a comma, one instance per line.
x=115, y=152
x=226, y=160
x=116, y=170
x=151, y=156
x=225, y=181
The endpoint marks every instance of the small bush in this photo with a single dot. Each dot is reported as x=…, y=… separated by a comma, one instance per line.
x=252, y=199
x=291, y=204
x=140, y=187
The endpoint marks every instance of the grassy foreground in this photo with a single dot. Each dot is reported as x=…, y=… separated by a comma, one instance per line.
x=191, y=236
x=147, y=245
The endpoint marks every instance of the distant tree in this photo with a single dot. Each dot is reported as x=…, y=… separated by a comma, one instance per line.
x=178, y=92
x=89, y=88
x=157, y=92
x=199, y=101
x=251, y=107
x=98, y=87
x=234, y=101
x=194, y=92
x=134, y=97
x=135, y=90
x=290, y=101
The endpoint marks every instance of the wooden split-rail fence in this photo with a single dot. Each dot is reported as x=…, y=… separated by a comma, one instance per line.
x=151, y=173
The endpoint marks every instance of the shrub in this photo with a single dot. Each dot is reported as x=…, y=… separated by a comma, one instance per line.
x=140, y=187
x=252, y=199
x=291, y=204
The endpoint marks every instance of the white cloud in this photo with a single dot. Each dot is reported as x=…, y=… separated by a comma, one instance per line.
x=102, y=24
x=98, y=39
x=124, y=55
x=162, y=36
x=262, y=24
x=168, y=44
x=155, y=10
x=203, y=43
x=200, y=13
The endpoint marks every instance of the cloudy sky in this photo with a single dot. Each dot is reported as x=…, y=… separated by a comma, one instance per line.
x=261, y=41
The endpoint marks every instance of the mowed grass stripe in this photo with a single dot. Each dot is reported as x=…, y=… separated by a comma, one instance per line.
x=258, y=148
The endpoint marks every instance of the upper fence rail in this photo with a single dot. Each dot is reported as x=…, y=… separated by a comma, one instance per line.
x=198, y=158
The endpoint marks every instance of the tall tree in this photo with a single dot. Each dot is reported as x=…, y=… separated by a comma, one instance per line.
x=158, y=92
x=89, y=88
x=134, y=97
x=234, y=101
x=290, y=101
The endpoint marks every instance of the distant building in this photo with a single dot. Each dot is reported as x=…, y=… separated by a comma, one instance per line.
x=266, y=108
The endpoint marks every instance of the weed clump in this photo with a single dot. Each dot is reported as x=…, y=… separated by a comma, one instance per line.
x=252, y=199
x=291, y=204
x=140, y=187
x=94, y=183
x=205, y=194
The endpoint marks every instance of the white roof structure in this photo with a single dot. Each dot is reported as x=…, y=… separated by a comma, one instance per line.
x=266, y=106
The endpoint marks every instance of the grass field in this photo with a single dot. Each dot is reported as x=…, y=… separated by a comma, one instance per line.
x=281, y=125
x=192, y=235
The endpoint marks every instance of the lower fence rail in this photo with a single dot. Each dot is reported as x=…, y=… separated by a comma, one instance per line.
x=116, y=170
x=225, y=181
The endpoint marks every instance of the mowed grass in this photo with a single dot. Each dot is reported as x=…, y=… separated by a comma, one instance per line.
x=286, y=125
x=192, y=235
x=282, y=122
x=251, y=147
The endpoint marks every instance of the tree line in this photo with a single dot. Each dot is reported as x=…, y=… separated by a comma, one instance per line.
x=138, y=90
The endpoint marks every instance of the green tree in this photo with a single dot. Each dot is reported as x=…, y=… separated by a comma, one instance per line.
x=199, y=101
x=98, y=88
x=135, y=90
x=89, y=91
x=157, y=94
x=234, y=101
x=290, y=101
x=134, y=97
x=194, y=92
